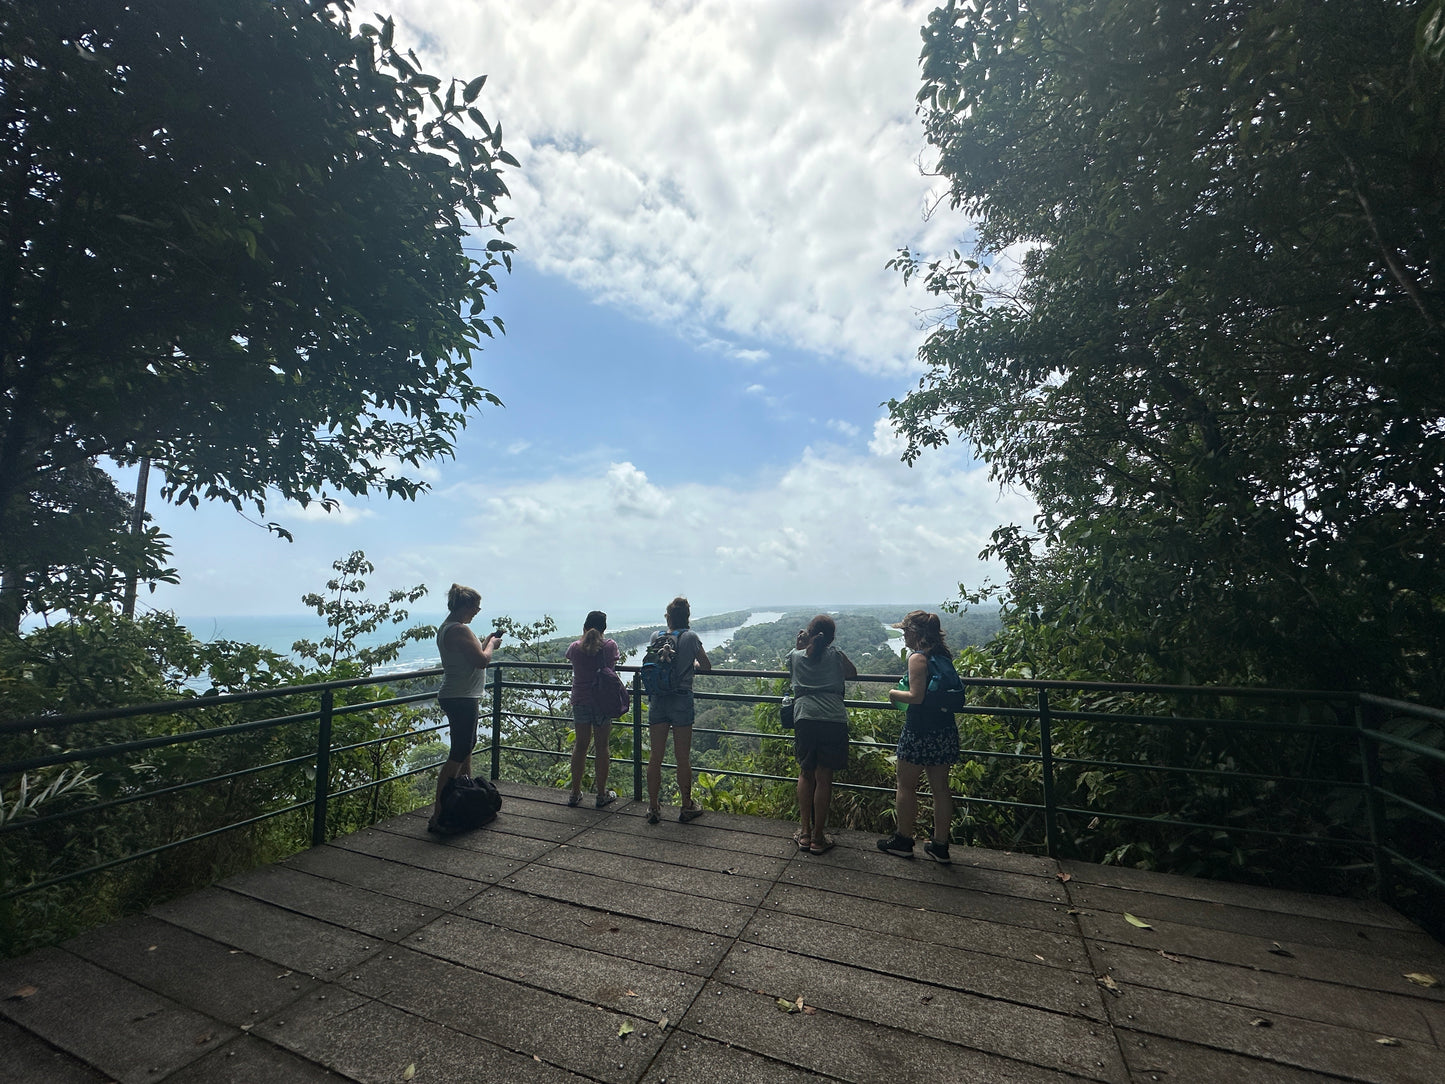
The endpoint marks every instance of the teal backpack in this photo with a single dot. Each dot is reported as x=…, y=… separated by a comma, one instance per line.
x=945, y=687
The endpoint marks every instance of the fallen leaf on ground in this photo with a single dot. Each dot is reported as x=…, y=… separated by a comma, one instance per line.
x=202, y=1040
x=926, y=998
x=662, y=1024
x=1133, y=921
x=1076, y=911
x=150, y=948
x=1109, y=984
x=1261, y=1022
x=1171, y=957
x=808, y=1010
x=1064, y=877
x=1040, y=959
x=631, y=993
x=625, y=1030
x=25, y=991
x=784, y=1005
x=1388, y=1041
x=1279, y=950
x=1419, y=978
x=409, y=1071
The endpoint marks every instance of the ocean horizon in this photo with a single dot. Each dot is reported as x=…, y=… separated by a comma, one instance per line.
x=278, y=632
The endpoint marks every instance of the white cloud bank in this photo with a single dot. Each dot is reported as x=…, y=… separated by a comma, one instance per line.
x=834, y=526
x=723, y=167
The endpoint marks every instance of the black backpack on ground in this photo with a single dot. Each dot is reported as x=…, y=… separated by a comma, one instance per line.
x=468, y=803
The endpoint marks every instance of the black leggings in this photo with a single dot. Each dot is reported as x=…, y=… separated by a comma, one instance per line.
x=462, y=713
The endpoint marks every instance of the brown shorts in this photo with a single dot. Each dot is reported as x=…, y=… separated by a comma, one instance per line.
x=820, y=744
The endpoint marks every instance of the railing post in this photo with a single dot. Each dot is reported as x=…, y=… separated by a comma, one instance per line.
x=323, y=771
x=1046, y=746
x=637, y=737
x=1367, y=719
x=496, y=723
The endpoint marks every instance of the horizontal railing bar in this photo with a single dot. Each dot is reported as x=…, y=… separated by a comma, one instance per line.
x=1400, y=799
x=1413, y=866
x=201, y=703
x=1401, y=707
x=114, y=862
x=1124, y=765
x=141, y=744
x=1405, y=743
x=1226, y=828
x=100, y=807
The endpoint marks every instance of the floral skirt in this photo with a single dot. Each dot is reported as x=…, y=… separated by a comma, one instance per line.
x=928, y=746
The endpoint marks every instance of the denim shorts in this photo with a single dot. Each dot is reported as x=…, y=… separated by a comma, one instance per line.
x=675, y=709
x=588, y=715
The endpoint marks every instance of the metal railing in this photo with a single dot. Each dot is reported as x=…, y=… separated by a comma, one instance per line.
x=1359, y=750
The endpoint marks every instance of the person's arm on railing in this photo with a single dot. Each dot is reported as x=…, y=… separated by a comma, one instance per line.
x=917, y=681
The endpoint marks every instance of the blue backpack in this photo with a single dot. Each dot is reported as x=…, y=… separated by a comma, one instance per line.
x=657, y=663
x=945, y=687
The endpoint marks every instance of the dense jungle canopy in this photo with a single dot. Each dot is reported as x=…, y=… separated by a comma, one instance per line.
x=234, y=240
x=1201, y=322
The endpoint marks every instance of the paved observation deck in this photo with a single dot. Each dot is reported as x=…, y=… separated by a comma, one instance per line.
x=578, y=945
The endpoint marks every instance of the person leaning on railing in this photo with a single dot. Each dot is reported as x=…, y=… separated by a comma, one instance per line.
x=673, y=713
x=820, y=726
x=588, y=656
x=928, y=743
x=464, y=672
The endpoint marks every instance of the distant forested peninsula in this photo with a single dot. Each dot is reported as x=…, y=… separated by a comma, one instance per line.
x=863, y=635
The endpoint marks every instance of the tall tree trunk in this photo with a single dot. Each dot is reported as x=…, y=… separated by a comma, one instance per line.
x=137, y=523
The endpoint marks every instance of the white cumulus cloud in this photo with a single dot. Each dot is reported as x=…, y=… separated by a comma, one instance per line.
x=728, y=168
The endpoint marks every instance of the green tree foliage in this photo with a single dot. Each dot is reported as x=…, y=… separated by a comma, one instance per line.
x=352, y=621
x=169, y=792
x=234, y=237
x=71, y=546
x=1203, y=327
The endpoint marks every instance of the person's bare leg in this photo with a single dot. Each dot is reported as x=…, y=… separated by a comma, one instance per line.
x=657, y=740
x=682, y=750
x=602, y=751
x=807, y=786
x=942, y=802
x=822, y=795
x=579, y=756
x=908, y=796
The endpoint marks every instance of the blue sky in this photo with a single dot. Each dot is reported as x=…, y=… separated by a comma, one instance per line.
x=700, y=330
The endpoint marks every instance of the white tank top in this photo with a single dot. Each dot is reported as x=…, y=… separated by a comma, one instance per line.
x=461, y=679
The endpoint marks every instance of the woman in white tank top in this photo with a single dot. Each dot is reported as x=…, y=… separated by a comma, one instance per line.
x=464, y=666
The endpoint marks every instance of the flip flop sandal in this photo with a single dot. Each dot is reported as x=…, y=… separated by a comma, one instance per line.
x=801, y=839
x=822, y=846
